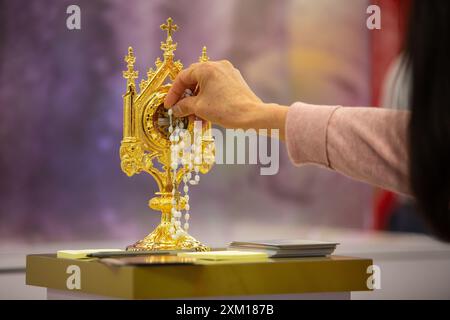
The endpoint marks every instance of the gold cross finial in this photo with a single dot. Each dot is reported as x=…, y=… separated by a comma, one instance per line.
x=169, y=46
x=170, y=27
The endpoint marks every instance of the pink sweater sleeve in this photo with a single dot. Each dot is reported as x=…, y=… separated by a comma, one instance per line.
x=367, y=144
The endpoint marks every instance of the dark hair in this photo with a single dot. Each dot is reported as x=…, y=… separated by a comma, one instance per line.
x=428, y=55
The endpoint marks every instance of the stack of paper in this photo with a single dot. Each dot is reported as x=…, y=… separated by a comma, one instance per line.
x=287, y=248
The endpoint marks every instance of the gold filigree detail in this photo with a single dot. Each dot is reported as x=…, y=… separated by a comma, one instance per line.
x=150, y=73
x=178, y=65
x=158, y=63
x=204, y=57
x=131, y=156
x=130, y=74
x=143, y=84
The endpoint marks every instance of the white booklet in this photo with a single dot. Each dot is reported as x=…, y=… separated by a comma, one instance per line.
x=287, y=248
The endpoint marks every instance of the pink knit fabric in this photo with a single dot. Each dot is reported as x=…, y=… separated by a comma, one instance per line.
x=367, y=144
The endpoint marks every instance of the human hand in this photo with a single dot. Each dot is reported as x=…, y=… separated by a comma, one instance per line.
x=223, y=97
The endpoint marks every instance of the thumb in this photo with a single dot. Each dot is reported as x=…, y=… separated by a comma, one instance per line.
x=184, y=107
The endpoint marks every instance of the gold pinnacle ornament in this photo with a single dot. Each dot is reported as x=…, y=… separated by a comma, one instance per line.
x=146, y=138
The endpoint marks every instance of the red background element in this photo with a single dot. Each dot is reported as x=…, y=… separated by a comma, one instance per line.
x=386, y=44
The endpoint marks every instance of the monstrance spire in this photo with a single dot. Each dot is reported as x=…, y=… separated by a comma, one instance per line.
x=169, y=47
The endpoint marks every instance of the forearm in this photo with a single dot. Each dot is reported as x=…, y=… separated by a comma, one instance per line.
x=367, y=144
x=270, y=117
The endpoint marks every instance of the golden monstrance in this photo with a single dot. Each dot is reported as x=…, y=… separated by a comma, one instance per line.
x=172, y=150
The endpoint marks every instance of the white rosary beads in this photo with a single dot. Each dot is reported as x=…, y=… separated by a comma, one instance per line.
x=189, y=157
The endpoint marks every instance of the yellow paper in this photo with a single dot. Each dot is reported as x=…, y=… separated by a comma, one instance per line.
x=80, y=254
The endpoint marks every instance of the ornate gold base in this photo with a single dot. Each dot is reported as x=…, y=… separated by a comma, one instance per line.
x=161, y=239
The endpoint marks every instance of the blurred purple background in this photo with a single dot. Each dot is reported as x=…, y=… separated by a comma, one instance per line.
x=61, y=114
